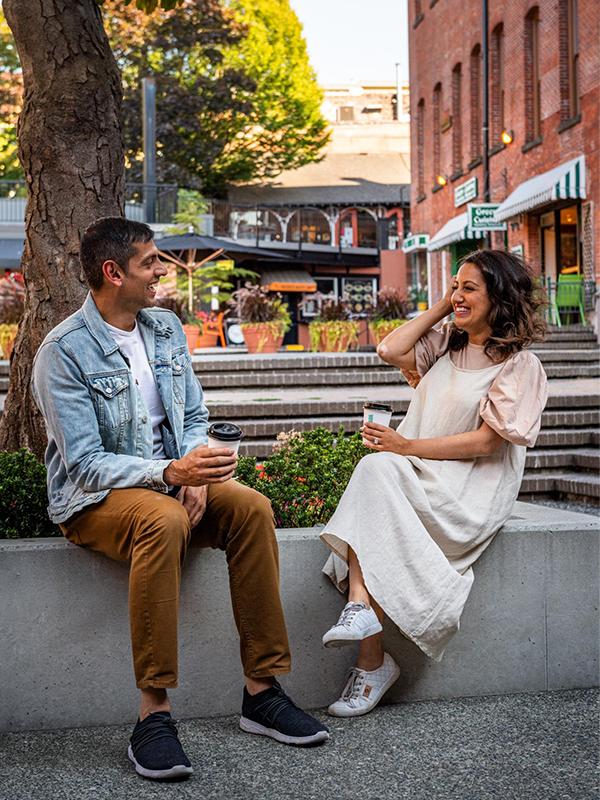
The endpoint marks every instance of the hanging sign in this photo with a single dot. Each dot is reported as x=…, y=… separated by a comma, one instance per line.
x=418, y=241
x=482, y=217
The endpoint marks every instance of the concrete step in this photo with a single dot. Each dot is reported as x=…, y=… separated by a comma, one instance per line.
x=573, y=484
x=531, y=608
x=572, y=370
x=544, y=458
x=247, y=380
x=568, y=437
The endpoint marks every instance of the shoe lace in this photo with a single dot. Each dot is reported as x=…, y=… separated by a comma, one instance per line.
x=353, y=687
x=156, y=728
x=349, y=612
x=272, y=707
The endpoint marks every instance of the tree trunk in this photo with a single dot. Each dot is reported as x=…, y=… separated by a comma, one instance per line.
x=72, y=154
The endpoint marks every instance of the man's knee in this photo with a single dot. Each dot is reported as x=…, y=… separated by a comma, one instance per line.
x=166, y=520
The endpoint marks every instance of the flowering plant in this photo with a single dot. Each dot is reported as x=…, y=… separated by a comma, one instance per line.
x=305, y=476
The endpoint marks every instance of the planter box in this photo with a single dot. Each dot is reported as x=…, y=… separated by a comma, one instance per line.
x=529, y=625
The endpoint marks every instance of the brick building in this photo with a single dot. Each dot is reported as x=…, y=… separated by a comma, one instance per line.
x=544, y=115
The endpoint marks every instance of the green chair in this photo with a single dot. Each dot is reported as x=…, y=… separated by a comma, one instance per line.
x=569, y=297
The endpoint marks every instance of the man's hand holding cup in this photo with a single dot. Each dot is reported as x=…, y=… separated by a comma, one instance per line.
x=202, y=465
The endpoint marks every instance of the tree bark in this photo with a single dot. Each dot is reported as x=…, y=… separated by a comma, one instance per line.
x=72, y=154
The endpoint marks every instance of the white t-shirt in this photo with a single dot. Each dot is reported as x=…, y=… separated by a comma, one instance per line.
x=132, y=345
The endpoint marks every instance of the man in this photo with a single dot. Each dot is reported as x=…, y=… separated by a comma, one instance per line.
x=130, y=475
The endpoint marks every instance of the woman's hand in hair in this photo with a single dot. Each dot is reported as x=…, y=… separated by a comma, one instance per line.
x=385, y=440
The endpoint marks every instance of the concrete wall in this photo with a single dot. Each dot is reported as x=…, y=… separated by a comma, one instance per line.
x=529, y=625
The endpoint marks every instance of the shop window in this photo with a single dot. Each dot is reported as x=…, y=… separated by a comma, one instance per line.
x=475, y=91
x=311, y=225
x=327, y=289
x=457, y=156
x=357, y=228
x=497, y=83
x=569, y=241
x=532, y=77
x=360, y=293
x=257, y=225
x=560, y=242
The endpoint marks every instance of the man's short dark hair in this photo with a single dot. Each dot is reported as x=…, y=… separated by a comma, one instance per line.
x=110, y=239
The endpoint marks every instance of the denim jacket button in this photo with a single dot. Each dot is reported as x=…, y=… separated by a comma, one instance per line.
x=144, y=419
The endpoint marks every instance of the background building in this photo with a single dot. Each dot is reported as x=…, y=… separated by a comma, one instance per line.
x=544, y=110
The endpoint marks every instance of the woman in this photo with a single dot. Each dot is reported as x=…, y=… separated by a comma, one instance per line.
x=418, y=512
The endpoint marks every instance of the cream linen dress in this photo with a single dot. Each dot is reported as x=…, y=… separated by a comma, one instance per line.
x=417, y=525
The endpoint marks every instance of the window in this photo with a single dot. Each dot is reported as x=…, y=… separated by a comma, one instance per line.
x=437, y=133
x=497, y=80
x=569, y=60
x=360, y=293
x=327, y=289
x=418, y=13
x=346, y=114
x=421, y=148
x=475, y=69
x=457, y=157
x=532, y=77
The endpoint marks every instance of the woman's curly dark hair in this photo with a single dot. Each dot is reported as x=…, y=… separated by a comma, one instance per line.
x=516, y=301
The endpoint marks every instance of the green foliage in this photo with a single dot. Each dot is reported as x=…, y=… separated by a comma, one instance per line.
x=10, y=103
x=255, y=304
x=306, y=476
x=23, y=497
x=191, y=206
x=390, y=305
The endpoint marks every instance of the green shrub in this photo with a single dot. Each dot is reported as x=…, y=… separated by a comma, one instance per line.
x=23, y=497
x=305, y=476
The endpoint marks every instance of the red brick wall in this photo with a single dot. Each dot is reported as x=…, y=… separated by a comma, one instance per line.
x=446, y=36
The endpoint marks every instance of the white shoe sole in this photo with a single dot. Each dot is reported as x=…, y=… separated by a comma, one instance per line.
x=249, y=726
x=358, y=712
x=178, y=772
x=333, y=639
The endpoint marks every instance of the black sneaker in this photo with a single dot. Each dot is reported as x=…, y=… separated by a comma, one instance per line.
x=272, y=713
x=156, y=751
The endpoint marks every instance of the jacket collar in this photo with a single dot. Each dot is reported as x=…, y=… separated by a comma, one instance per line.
x=97, y=327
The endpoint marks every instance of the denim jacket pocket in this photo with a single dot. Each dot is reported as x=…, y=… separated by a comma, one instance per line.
x=110, y=394
x=179, y=365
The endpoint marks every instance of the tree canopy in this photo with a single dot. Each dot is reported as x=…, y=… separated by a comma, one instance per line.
x=237, y=99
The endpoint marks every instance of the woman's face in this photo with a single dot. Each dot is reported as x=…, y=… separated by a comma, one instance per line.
x=471, y=302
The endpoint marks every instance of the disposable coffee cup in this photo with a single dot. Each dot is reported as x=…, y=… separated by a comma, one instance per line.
x=379, y=413
x=225, y=434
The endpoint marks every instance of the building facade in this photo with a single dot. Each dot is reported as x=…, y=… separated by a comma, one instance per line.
x=544, y=114
x=340, y=221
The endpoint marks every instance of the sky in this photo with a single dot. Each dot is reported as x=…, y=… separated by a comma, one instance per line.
x=353, y=40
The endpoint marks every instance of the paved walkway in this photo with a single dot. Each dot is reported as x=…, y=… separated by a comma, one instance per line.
x=519, y=747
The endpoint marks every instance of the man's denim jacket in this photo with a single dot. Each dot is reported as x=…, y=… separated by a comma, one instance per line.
x=99, y=430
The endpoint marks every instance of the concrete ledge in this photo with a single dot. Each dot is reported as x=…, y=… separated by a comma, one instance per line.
x=530, y=625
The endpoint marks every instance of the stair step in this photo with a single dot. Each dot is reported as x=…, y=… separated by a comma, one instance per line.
x=582, y=458
x=572, y=371
x=568, y=437
x=571, y=483
x=571, y=417
x=307, y=378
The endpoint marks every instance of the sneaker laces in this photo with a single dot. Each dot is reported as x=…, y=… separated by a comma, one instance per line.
x=272, y=707
x=354, y=685
x=154, y=729
x=349, y=612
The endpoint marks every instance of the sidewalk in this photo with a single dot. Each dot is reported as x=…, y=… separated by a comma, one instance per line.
x=518, y=747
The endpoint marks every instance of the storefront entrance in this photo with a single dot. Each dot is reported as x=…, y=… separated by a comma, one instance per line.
x=559, y=232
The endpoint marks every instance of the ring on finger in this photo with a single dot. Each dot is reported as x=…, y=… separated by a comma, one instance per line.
x=375, y=440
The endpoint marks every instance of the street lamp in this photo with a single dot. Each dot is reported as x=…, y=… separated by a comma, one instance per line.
x=441, y=180
x=507, y=136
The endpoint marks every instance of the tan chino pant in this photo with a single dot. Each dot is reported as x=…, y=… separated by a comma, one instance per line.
x=151, y=530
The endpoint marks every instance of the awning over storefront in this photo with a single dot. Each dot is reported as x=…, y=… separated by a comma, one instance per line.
x=288, y=280
x=455, y=230
x=565, y=182
x=11, y=251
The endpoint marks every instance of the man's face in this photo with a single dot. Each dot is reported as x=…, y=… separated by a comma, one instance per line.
x=140, y=281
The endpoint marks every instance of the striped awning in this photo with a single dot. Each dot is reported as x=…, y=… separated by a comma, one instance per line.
x=565, y=182
x=455, y=230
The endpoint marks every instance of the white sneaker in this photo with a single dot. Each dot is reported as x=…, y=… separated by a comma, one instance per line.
x=356, y=622
x=365, y=689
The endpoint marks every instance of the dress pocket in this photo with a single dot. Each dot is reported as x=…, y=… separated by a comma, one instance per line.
x=110, y=394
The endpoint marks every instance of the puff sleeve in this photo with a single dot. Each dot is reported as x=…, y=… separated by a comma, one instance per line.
x=515, y=401
x=431, y=347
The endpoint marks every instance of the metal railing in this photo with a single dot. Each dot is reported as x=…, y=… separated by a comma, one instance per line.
x=139, y=198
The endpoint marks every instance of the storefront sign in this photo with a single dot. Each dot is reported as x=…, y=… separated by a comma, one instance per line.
x=517, y=250
x=417, y=241
x=465, y=192
x=481, y=217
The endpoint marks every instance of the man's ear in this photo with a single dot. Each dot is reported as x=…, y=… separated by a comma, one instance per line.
x=113, y=273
